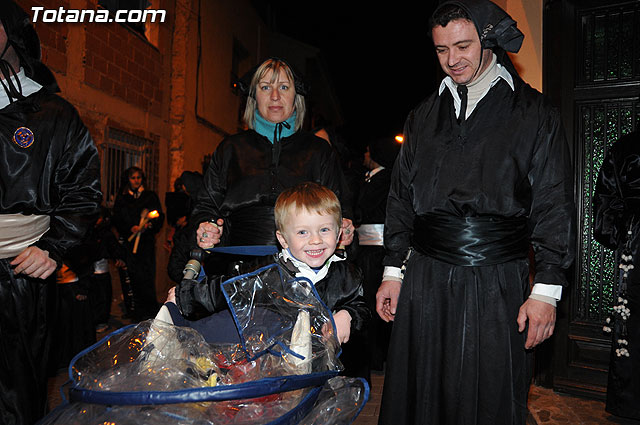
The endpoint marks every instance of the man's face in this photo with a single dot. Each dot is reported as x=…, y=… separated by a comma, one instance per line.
x=459, y=50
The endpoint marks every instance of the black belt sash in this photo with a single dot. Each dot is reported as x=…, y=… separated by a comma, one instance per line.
x=471, y=241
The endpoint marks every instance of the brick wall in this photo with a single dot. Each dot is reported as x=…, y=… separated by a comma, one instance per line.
x=115, y=59
x=120, y=63
x=53, y=36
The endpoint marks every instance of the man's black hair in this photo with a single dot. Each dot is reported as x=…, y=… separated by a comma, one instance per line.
x=446, y=14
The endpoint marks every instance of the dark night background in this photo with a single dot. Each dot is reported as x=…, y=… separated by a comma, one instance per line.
x=381, y=59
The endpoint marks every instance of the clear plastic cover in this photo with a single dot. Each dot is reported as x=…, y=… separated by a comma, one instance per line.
x=288, y=350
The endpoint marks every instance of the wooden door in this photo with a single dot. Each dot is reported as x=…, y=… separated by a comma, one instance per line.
x=592, y=73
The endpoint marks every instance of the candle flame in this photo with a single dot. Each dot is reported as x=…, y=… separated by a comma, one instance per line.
x=153, y=214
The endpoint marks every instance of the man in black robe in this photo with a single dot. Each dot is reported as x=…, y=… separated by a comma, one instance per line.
x=483, y=174
x=49, y=193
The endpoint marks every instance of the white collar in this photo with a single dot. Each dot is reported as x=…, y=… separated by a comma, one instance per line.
x=303, y=268
x=137, y=193
x=502, y=73
x=28, y=87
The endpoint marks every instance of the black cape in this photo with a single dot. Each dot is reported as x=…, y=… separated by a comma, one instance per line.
x=455, y=354
x=616, y=208
x=57, y=175
x=141, y=266
x=248, y=172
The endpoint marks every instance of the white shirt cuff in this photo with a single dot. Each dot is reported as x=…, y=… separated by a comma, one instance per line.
x=553, y=291
x=392, y=273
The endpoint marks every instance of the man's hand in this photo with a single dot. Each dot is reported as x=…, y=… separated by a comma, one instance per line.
x=387, y=299
x=347, y=233
x=34, y=262
x=542, y=320
x=209, y=234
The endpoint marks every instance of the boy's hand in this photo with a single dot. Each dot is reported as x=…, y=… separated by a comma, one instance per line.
x=171, y=296
x=346, y=237
x=343, y=325
x=209, y=234
x=387, y=299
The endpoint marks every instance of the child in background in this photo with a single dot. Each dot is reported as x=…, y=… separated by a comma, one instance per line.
x=308, y=221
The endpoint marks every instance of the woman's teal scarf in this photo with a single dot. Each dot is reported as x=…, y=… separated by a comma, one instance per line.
x=274, y=132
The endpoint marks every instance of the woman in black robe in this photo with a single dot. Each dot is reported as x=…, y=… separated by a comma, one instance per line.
x=616, y=207
x=250, y=169
x=140, y=270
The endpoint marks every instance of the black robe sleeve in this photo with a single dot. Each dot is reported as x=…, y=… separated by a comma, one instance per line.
x=616, y=199
x=199, y=299
x=342, y=289
x=75, y=190
x=551, y=219
x=398, y=226
x=608, y=206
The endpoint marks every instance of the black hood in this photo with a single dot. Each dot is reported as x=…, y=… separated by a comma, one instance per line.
x=496, y=29
x=23, y=38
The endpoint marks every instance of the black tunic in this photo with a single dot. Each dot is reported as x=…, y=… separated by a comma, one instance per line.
x=248, y=172
x=455, y=355
x=616, y=206
x=371, y=209
x=141, y=266
x=58, y=176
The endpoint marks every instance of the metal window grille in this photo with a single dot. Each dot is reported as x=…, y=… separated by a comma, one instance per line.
x=122, y=150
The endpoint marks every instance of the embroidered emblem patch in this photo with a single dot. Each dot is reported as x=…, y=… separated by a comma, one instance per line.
x=23, y=137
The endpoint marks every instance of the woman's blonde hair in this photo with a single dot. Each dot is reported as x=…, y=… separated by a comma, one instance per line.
x=308, y=196
x=275, y=65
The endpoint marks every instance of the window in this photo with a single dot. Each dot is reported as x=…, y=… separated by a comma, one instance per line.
x=122, y=150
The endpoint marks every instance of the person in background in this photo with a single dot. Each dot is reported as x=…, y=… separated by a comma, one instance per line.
x=137, y=230
x=49, y=198
x=616, y=225
x=484, y=173
x=74, y=327
x=370, y=213
x=103, y=245
x=180, y=203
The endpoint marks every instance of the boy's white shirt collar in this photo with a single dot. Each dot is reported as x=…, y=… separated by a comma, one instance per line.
x=307, y=272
